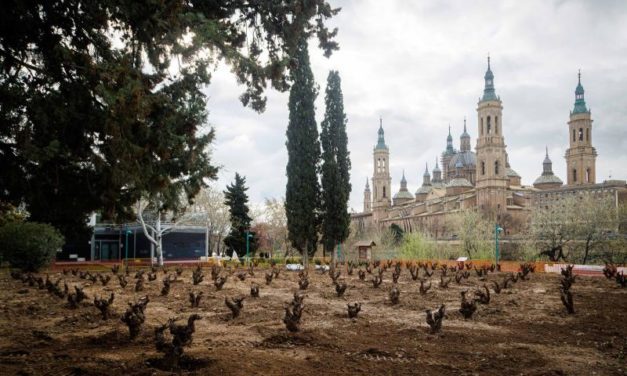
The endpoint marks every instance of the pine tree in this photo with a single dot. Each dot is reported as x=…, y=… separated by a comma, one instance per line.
x=237, y=201
x=335, y=167
x=102, y=102
x=302, y=197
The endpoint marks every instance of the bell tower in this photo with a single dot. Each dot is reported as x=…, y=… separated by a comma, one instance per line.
x=381, y=179
x=581, y=155
x=367, y=198
x=491, y=183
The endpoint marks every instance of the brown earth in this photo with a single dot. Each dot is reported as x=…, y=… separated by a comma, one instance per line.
x=524, y=330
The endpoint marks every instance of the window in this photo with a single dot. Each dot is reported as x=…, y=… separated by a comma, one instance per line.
x=383, y=192
x=496, y=167
x=489, y=126
x=588, y=134
x=482, y=168
x=587, y=175
x=580, y=134
x=573, y=135
x=574, y=174
x=496, y=125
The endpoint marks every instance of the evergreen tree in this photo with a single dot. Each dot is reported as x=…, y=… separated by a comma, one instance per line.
x=336, y=164
x=237, y=201
x=102, y=101
x=302, y=197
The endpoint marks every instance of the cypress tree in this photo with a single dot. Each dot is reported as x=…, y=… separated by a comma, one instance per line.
x=335, y=167
x=302, y=196
x=237, y=201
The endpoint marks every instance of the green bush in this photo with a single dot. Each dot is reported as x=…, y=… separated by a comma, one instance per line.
x=29, y=246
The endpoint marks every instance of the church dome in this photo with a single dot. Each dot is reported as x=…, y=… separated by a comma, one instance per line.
x=466, y=158
x=459, y=182
x=548, y=179
x=511, y=173
x=425, y=189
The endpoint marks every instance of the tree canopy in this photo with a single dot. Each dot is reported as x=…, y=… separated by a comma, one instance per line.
x=302, y=196
x=101, y=101
x=335, y=171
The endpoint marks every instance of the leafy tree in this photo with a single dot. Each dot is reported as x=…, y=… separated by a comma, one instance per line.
x=302, y=197
x=475, y=233
x=397, y=233
x=9, y=213
x=102, y=101
x=237, y=201
x=29, y=246
x=336, y=165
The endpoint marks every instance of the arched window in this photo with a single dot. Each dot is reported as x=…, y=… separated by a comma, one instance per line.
x=588, y=134
x=383, y=192
x=580, y=134
x=573, y=135
x=482, y=168
x=574, y=175
x=496, y=167
x=496, y=125
x=587, y=175
x=489, y=126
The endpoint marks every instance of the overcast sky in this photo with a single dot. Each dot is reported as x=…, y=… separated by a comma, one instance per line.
x=420, y=65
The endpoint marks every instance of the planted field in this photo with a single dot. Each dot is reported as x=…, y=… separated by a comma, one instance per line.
x=196, y=322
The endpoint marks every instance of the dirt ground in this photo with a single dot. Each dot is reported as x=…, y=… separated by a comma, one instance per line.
x=524, y=330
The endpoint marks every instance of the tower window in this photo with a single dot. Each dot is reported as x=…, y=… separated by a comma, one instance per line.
x=482, y=168
x=489, y=126
x=496, y=167
x=573, y=135
x=383, y=192
x=574, y=175
x=496, y=125
x=588, y=134
x=587, y=175
x=580, y=134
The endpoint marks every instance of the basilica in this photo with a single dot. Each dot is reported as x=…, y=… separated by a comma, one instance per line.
x=483, y=179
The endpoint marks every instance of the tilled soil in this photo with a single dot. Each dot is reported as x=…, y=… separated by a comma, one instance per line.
x=523, y=330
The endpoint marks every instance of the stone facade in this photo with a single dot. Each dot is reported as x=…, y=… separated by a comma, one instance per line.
x=484, y=180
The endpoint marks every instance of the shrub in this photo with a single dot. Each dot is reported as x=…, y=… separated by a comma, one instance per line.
x=29, y=246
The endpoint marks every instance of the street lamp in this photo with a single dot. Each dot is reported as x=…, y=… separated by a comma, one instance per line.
x=497, y=231
x=339, y=252
x=248, y=236
x=127, y=231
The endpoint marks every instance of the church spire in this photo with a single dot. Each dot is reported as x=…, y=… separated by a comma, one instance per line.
x=580, y=103
x=488, y=91
x=367, y=186
x=381, y=140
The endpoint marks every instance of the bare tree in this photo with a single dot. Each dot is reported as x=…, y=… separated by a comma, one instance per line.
x=214, y=214
x=276, y=220
x=595, y=219
x=552, y=228
x=157, y=222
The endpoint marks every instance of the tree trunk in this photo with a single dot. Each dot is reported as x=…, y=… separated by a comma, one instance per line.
x=586, y=251
x=159, y=236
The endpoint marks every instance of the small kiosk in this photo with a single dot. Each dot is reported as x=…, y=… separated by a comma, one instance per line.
x=364, y=249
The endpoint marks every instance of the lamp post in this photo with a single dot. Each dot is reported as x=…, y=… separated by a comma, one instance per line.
x=248, y=236
x=126, y=232
x=497, y=231
x=339, y=252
